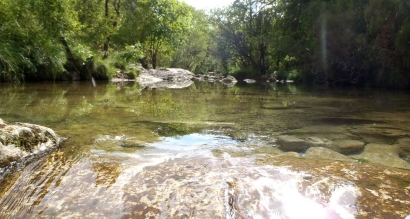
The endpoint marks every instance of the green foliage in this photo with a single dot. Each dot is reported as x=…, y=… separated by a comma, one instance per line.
x=128, y=55
x=247, y=73
x=30, y=38
x=194, y=53
x=293, y=75
x=341, y=41
x=101, y=69
x=158, y=25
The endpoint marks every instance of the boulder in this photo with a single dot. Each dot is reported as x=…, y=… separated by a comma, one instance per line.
x=172, y=74
x=291, y=143
x=21, y=140
x=146, y=78
x=166, y=78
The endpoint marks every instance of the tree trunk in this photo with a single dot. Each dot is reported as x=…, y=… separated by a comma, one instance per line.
x=107, y=47
x=154, y=60
x=117, y=4
x=71, y=59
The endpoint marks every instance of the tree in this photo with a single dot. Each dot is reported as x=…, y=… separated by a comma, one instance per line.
x=195, y=53
x=30, y=38
x=247, y=26
x=157, y=25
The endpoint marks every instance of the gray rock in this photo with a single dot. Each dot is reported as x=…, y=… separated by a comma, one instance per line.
x=146, y=78
x=250, y=81
x=291, y=143
x=348, y=146
x=22, y=139
x=172, y=74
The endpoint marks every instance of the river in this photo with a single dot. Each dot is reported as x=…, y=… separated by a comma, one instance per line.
x=210, y=151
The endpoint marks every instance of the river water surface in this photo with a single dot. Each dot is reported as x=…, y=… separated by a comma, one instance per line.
x=210, y=151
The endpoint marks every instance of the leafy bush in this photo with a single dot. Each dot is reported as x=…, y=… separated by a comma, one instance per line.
x=129, y=55
x=246, y=73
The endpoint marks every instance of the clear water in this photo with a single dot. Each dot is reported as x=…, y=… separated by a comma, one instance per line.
x=208, y=151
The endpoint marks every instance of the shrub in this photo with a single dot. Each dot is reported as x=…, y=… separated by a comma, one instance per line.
x=242, y=74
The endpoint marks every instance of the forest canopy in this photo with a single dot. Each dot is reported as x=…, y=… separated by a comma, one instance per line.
x=339, y=42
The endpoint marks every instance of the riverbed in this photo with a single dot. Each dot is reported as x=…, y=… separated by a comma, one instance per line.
x=210, y=151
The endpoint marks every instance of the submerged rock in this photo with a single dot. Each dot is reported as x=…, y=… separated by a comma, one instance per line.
x=387, y=155
x=325, y=153
x=348, y=146
x=319, y=142
x=404, y=149
x=110, y=144
x=379, y=133
x=291, y=143
x=330, y=132
x=22, y=140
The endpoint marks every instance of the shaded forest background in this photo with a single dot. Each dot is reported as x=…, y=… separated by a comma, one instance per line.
x=339, y=42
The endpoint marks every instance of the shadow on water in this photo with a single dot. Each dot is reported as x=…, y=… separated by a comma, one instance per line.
x=208, y=151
